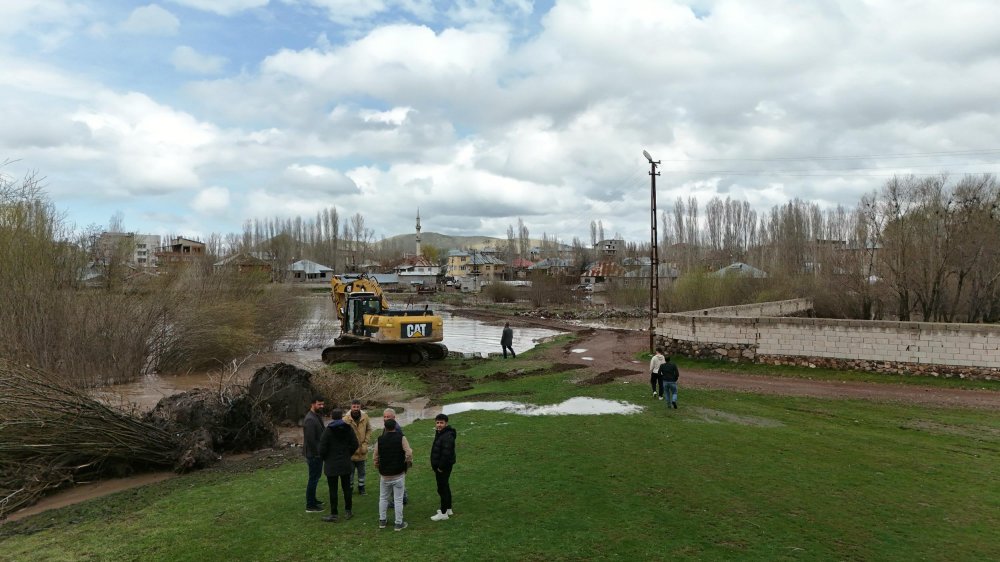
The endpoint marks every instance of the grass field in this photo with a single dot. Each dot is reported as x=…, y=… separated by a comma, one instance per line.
x=727, y=476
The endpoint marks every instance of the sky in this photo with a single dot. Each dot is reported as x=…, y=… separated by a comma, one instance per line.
x=191, y=116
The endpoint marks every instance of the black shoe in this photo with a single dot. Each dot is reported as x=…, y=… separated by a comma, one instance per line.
x=361, y=491
x=675, y=405
x=348, y=514
x=314, y=509
x=331, y=518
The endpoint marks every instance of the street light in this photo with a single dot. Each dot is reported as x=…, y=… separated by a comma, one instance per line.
x=654, y=273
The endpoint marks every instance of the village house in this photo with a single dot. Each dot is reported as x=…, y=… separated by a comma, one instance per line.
x=304, y=271
x=180, y=252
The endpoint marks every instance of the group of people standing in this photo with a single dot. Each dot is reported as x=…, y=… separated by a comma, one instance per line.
x=663, y=376
x=340, y=451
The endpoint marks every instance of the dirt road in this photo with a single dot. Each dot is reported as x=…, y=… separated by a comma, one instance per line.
x=611, y=354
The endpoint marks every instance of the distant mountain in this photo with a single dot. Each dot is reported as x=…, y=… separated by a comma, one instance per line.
x=446, y=242
x=407, y=242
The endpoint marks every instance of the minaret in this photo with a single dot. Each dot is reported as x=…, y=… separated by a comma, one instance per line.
x=418, y=232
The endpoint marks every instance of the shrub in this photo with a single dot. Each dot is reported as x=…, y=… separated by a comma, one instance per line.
x=500, y=292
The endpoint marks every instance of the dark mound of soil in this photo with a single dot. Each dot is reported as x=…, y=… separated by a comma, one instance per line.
x=608, y=376
x=518, y=373
x=210, y=423
x=285, y=390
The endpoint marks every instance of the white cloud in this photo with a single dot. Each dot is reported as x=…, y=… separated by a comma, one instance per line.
x=319, y=179
x=20, y=15
x=222, y=7
x=186, y=59
x=152, y=20
x=155, y=148
x=395, y=116
x=211, y=200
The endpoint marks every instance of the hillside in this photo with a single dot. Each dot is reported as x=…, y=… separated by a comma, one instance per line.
x=446, y=242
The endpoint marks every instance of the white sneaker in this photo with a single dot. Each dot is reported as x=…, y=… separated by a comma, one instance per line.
x=449, y=513
x=439, y=516
x=654, y=395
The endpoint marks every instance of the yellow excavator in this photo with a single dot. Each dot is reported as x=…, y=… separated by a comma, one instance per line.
x=373, y=332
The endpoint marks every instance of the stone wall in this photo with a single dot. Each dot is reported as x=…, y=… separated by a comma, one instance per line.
x=735, y=334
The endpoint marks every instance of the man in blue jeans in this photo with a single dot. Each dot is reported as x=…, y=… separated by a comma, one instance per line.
x=312, y=432
x=668, y=376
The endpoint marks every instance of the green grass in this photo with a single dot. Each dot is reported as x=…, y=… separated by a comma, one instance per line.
x=826, y=374
x=727, y=476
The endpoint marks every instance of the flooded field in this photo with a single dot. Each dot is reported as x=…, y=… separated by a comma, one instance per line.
x=302, y=348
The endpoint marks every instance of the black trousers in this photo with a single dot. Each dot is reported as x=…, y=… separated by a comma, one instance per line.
x=345, y=485
x=654, y=381
x=444, y=489
x=507, y=347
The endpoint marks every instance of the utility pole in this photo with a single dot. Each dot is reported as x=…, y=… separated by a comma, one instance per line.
x=654, y=272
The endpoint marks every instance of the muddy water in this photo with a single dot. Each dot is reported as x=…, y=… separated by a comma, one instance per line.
x=302, y=348
x=467, y=335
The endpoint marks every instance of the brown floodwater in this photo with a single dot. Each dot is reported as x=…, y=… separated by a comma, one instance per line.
x=302, y=349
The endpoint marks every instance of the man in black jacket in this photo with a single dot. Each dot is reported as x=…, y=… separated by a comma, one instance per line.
x=668, y=376
x=507, y=340
x=442, y=461
x=336, y=447
x=312, y=431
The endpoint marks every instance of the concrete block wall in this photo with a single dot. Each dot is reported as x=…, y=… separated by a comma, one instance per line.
x=966, y=349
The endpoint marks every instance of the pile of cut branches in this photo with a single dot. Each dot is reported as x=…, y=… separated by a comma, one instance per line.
x=52, y=435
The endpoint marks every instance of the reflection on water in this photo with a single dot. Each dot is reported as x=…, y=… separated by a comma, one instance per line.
x=581, y=406
x=461, y=334
x=468, y=335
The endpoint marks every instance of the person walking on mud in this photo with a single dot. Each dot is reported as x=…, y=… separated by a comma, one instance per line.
x=312, y=432
x=442, y=461
x=359, y=422
x=336, y=447
x=392, y=457
x=507, y=340
x=669, y=375
x=654, y=373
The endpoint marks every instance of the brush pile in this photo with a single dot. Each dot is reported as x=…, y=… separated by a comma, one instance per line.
x=52, y=435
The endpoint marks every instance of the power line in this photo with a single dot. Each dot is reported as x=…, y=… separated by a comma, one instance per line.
x=977, y=152
x=779, y=173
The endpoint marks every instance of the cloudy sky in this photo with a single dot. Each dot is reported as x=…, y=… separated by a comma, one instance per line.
x=191, y=116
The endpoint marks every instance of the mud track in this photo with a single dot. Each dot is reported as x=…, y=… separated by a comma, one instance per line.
x=610, y=353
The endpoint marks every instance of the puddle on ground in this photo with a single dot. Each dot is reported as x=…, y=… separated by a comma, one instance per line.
x=83, y=492
x=718, y=416
x=580, y=406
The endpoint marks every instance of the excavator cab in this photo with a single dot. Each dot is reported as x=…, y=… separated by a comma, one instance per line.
x=358, y=305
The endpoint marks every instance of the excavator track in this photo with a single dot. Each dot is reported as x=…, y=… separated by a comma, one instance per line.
x=391, y=354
